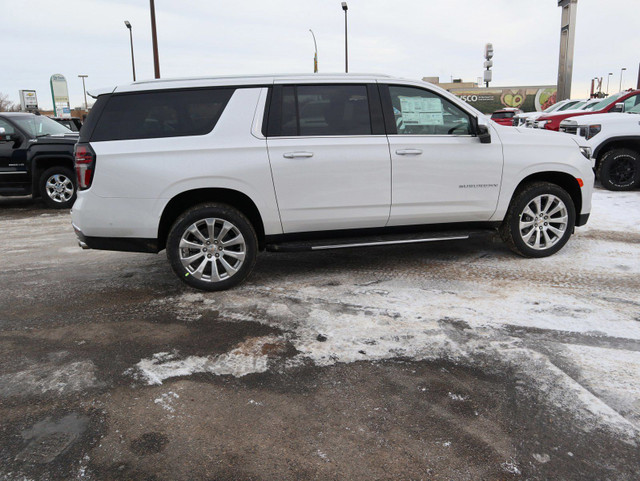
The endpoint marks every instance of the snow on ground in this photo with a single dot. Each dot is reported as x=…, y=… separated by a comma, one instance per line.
x=568, y=324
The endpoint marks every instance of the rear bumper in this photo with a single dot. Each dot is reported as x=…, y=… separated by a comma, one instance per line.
x=122, y=244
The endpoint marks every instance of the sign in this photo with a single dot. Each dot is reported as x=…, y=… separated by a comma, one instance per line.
x=528, y=99
x=60, y=95
x=28, y=100
x=421, y=110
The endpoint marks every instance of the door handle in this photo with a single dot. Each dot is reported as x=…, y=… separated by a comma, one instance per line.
x=409, y=151
x=294, y=155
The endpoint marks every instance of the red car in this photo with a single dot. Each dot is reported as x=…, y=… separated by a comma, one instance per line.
x=630, y=99
x=505, y=116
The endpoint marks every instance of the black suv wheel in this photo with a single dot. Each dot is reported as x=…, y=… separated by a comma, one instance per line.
x=619, y=169
x=212, y=247
x=57, y=187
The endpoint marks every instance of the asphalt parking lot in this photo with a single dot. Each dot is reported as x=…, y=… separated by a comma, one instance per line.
x=457, y=361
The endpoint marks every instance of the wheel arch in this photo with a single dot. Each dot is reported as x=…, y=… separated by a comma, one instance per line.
x=566, y=181
x=187, y=199
x=41, y=163
x=625, y=142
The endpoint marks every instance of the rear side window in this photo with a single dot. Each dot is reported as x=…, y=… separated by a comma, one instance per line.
x=168, y=113
x=321, y=110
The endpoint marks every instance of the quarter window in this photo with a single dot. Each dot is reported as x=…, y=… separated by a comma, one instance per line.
x=158, y=114
x=322, y=110
x=420, y=112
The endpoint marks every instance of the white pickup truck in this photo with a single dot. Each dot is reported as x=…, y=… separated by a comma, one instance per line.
x=614, y=140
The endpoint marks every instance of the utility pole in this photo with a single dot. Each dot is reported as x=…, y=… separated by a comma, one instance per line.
x=567, y=41
x=154, y=37
x=621, y=72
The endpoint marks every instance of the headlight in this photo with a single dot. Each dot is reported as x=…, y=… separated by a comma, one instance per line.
x=540, y=124
x=586, y=151
x=593, y=130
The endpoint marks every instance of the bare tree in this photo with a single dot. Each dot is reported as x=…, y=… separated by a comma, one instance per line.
x=7, y=105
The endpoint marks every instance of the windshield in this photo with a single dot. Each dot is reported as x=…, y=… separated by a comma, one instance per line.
x=590, y=106
x=608, y=101
x=568, y=105
x=40, y=126
x=553, y=107
x=578, y=106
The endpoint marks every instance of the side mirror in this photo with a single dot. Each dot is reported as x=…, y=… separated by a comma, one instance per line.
x=2, y=131
x=619, y=107
x=483, y=134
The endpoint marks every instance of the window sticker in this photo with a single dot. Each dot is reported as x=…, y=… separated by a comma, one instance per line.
x=421, y=111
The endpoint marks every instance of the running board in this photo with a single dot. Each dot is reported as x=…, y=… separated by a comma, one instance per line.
x=346, y=243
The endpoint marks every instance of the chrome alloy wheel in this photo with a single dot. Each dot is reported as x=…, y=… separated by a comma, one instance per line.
x=543, y=222
x=212, y=249
x=59, y=188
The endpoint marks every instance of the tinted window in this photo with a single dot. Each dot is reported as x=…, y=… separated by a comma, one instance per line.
x=420, y=112
x=502, y=115
x=317, y=110
x=159, y=114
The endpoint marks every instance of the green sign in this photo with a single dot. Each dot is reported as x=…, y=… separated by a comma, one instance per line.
x=528, y=99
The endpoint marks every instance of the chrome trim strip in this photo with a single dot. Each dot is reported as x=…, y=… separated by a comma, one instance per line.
x=13, y=172
x=382, y=243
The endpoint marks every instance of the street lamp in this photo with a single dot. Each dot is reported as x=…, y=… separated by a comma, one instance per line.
x=86, y=107
x=315, y=57
x=621, y=71
x=608, y=78
x=133, y=62
x=346, y=45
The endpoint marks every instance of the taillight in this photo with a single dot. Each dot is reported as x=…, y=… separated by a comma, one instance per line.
x=85, y=162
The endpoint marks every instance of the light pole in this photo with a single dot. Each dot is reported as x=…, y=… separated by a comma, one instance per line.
x=346, y=45
x=621, y=71
x=608, y=78
x=133, y=62
x=84, y=90
x=154, y=38
x=315, y=57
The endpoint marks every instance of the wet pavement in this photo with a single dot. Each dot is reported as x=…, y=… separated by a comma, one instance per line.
x=456, y=361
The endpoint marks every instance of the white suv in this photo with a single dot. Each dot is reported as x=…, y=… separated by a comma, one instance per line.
x=216, y=169
x=614, y=139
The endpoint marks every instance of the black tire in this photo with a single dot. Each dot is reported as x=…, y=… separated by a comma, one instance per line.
x=54, y=185
x=514, y=236
x=211, y=265
x=619, y=169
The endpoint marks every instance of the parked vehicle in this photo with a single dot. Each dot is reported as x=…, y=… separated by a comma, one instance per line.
x=216, y=169
x=505, y=116
x=72, y=123
x=529, y=117
x=36, y=158
x=614, y=140
x=615, y=103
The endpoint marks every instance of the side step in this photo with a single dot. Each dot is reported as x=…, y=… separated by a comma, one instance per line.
x=372, y=241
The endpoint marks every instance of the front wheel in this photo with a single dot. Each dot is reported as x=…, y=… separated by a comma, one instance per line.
x=539, y=220
x=212, y=247
x=619, y=169
x=57, y=187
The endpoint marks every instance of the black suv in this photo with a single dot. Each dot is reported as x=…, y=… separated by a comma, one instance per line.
x=72, y=123
x=36, y=158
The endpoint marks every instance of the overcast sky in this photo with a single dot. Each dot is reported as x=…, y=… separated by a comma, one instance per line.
x=407, y=38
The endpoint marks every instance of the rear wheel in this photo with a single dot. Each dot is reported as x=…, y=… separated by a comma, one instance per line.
x=539, y=221
x=212, y=247
x=57, y=187
x=619, y=169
